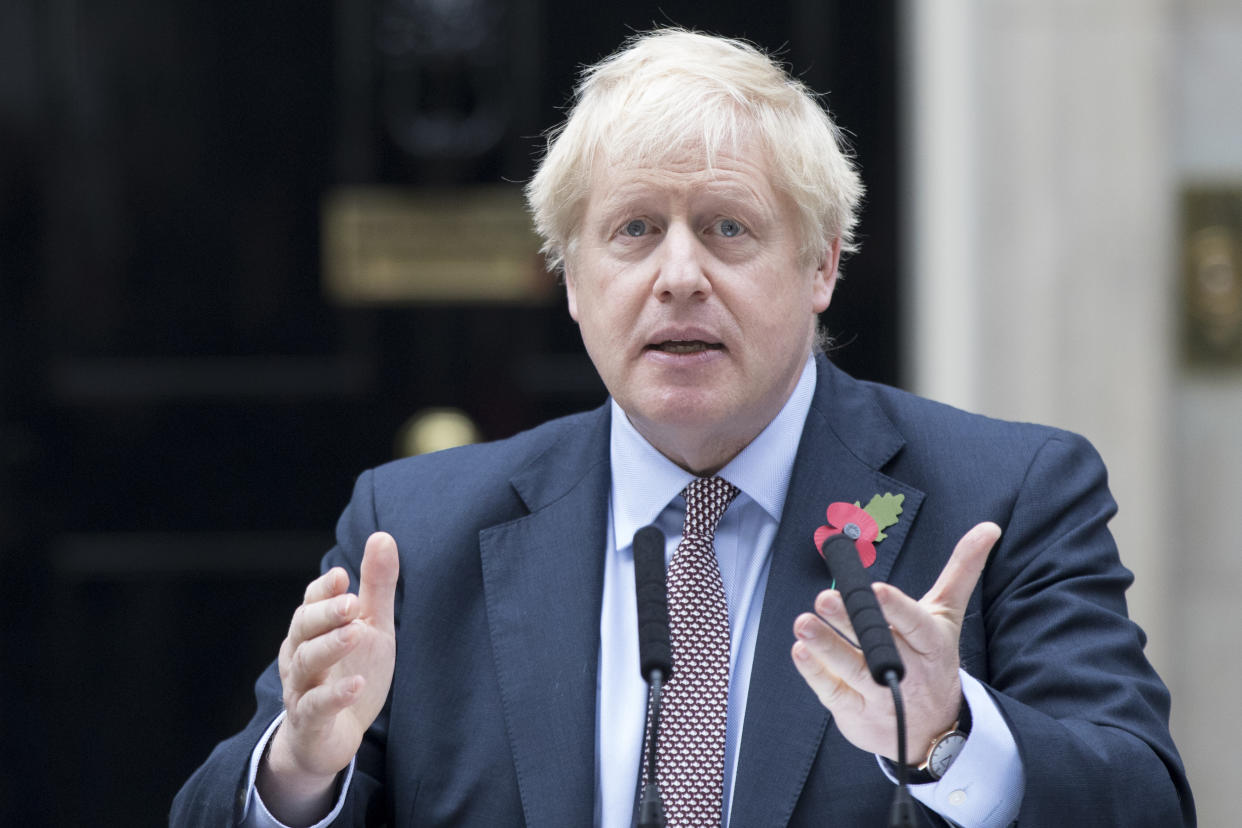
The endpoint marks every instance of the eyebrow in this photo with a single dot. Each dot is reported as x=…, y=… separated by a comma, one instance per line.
x=635, y=195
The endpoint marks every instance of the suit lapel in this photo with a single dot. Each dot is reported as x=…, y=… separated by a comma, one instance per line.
x=845, y=442
x=543, y=581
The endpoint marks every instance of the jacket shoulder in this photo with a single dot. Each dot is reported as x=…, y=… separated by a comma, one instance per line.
x=481, y=473
x=935, y=429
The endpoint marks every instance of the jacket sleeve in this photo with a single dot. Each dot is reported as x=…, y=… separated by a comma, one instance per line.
x=215, y=795
x=1066, y=664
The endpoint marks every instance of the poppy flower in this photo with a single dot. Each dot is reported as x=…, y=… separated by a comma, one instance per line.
x=854, y=522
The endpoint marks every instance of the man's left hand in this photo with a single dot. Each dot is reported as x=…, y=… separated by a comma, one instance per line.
x=926, y=633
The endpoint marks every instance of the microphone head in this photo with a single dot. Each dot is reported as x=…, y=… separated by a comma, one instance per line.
x=654, y=652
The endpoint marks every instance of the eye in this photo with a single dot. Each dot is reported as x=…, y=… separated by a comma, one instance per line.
x=729, y=228
x=634, y=228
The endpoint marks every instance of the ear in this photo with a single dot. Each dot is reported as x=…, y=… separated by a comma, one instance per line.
x=824, y=280
x=571, y=292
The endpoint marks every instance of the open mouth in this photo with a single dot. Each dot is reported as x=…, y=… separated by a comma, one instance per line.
x=685, y=346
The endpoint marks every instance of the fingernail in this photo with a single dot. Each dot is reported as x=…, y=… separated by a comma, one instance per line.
x=801, y=653
x=806, y=630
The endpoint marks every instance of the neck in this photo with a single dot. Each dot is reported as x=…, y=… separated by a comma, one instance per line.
x=700, y=458
x=705, y=447
x=704, y=451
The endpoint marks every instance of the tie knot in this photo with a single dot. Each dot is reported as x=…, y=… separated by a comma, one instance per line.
x=706, y=501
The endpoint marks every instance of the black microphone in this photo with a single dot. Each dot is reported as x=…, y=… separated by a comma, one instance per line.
x=875, y=640
x=654, y=652
x=874, y=637
x=655, y=657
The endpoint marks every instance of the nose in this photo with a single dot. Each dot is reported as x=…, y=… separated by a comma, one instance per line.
x=681, y=273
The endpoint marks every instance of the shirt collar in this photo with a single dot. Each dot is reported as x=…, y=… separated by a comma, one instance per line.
x=645, y=481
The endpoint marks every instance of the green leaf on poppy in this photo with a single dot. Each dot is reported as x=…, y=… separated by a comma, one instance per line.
x=886, y=510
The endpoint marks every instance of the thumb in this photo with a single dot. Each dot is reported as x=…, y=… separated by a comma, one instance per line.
x=377, y=585
x=957, y=580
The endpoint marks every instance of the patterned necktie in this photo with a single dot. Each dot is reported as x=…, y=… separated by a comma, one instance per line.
x=690, y=758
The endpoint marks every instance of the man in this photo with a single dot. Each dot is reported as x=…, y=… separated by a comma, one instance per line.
x=485, y=671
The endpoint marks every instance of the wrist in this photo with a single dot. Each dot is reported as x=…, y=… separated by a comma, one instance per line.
x=292, y=794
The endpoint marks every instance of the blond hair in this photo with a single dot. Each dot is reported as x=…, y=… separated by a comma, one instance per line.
x=669, y=89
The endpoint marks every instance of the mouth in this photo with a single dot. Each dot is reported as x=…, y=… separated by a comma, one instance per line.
x=684, y=346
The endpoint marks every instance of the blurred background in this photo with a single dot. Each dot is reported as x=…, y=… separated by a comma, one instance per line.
x=249, y=249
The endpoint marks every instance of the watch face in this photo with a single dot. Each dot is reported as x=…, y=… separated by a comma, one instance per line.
x=945, y=751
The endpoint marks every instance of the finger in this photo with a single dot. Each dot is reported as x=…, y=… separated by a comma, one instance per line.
x=957, y=580
x=317, y=706
x=830, y=606
x=832, y=692
x=831, y=650
x=837, y=692
x=912, y=623
x=378, y=585
x=312, y=659
x=333, y=582
x=313, y=620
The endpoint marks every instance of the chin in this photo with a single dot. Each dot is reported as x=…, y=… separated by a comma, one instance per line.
x=682, y=408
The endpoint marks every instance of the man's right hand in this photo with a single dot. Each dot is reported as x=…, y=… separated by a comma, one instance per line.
x=336, y=667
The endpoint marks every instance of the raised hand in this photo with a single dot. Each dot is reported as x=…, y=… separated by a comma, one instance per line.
x=336, y=666
x=926, y=633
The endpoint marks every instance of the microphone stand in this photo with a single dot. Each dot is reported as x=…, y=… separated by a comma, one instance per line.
x=901, y=814
x=655, y=656
x=651, y=807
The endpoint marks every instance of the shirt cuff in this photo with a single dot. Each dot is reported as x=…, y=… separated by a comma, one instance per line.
x=983, y=787
x=256, y=814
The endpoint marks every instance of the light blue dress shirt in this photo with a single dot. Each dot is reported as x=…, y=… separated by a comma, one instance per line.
x=983, y=788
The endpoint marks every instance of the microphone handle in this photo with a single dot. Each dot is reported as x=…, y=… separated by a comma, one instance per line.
x=874, y=637
x=876, y=641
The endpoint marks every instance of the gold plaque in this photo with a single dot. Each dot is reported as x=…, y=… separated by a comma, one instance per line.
x=1212, y=275
x=387, y=245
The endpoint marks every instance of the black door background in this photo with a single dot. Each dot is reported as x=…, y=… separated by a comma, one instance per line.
x=183, y=412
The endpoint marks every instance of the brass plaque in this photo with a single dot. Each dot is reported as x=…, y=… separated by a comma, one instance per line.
x=1212, y=276
x=386, y=245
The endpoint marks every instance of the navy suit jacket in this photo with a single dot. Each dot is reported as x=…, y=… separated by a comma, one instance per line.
x=492, y=715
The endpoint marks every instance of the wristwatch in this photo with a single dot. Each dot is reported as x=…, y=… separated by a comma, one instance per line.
x=944, y=749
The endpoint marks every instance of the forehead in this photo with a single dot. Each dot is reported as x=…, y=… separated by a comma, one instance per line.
x=684, y=173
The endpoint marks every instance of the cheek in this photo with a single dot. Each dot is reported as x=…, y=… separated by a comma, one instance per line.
x=589, y=309
x=780, y=312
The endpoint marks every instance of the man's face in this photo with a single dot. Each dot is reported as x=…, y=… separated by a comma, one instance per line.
x=693, y=299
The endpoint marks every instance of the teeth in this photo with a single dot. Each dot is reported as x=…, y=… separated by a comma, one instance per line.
x=685, y=347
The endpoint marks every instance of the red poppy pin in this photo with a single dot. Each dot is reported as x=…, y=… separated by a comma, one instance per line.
x=864, y=524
